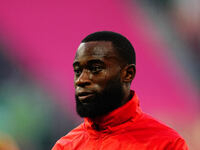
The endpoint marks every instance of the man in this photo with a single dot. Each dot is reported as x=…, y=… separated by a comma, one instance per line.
x=104, y=68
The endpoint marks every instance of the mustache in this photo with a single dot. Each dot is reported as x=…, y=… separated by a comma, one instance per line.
x=80, y=90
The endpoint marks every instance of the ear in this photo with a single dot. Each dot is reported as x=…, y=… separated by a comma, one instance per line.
x=128, y=73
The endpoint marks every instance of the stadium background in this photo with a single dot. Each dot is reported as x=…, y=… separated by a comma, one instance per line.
x=38, y=41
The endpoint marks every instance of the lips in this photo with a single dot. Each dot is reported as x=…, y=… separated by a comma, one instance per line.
x=83, y=96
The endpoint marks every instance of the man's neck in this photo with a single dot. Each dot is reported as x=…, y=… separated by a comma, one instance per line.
x=126, y=98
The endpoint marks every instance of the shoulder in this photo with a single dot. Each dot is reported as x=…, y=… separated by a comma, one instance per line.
x=69, y=138
x=157, y=127
x=145, y=131
x=148, y=127
x=158, y=133
x=179, y=144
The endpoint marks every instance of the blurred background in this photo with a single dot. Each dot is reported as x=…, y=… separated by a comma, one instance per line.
x=38, y=41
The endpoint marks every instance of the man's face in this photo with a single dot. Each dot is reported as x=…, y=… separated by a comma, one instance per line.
x=98, y=87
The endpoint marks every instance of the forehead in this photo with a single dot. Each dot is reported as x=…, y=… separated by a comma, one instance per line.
x=96, y=50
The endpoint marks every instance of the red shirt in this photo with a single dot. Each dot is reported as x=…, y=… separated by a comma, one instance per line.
x=126, y=128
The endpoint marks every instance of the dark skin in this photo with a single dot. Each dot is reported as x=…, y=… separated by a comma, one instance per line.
x=95, y=64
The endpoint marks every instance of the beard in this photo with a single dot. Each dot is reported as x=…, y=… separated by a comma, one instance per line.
x=102, y=103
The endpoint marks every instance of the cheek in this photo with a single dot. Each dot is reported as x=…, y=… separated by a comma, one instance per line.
x=101, y=81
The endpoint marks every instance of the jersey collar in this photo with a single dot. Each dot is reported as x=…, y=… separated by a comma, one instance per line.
x=126, y=112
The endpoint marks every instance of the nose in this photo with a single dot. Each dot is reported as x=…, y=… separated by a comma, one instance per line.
x=83, y=79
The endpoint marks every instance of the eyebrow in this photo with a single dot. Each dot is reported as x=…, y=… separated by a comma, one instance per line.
x=97, y=61
x=93, y=61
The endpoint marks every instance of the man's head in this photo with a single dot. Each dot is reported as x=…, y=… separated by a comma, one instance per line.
x=104, y=67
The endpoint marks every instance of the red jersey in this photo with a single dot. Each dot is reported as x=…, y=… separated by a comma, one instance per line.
x=125, y=128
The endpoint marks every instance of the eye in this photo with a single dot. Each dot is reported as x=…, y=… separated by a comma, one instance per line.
x=77, y=71
x=96, y=68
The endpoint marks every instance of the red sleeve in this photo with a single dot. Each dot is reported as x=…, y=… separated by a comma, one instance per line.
x=180, y=144
x=57, y=147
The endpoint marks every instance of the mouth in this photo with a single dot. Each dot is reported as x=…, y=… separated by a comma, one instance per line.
x=84, y=96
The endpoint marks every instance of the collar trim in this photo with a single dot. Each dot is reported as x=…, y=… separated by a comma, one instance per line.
x=118, y=116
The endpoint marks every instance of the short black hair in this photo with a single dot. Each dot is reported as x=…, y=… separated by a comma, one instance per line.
x=121, y=44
